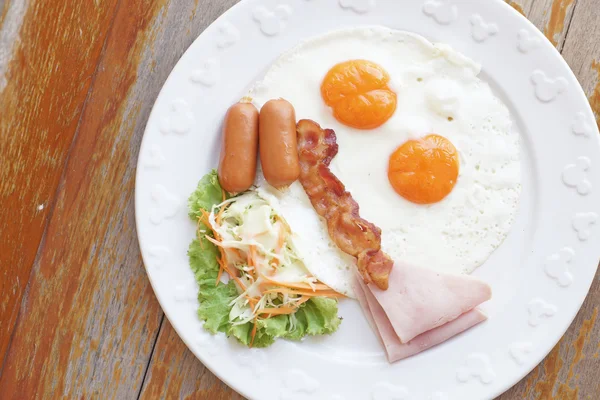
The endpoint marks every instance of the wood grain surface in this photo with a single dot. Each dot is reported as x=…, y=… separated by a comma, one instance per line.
x=46, y=70
x=78, y=318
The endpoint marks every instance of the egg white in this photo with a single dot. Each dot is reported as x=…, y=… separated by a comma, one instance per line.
x=438, y=92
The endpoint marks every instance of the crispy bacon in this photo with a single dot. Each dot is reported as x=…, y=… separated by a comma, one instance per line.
x=352, y=234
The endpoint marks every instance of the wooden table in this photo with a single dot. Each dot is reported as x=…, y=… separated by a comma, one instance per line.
x=78, y=318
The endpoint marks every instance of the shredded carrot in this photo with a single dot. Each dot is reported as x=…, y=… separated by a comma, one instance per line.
x=237, y=252
x=214, y=241
x=280, y=242
x=204, y=218
x=220, y=273
x=251, y=256
x=253, y=333
x=235, y=278
x=302, y=300
x=253, y=260
x=219, y=215
x=297, y=285
x=252, y=301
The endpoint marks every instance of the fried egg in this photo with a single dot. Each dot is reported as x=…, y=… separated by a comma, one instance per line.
x=425, y=148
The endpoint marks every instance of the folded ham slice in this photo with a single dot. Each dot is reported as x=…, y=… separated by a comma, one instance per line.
x=421, y=308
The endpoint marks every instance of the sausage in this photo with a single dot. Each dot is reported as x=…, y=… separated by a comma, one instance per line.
x=237, y=164
x=277, y=143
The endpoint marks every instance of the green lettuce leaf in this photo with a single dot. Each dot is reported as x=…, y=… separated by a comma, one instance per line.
x=321, y=316
x=214, y=299
x=243, y=333
x=298, y=324
x=275, y=326
x=207, y=194
x=317, y=316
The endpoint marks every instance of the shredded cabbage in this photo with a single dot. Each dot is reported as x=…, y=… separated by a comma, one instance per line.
x=257, y=247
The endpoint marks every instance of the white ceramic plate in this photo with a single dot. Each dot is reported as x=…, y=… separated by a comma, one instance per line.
x=540, y=275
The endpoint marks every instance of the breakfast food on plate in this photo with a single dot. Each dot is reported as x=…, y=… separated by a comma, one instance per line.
x=413, y=183
x=357, y=92
x=269, y=293
x=437, y=92
x=421, y=309
x=424, y=170
x=311, y=237
x=352, y=234
x=411, y=309
x=277, y=134
x=237, y=165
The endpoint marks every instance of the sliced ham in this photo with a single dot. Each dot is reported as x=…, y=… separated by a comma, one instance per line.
x=419, y=299
x=421, y=308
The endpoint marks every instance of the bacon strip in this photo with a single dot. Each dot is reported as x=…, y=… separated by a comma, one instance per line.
x=352, y=234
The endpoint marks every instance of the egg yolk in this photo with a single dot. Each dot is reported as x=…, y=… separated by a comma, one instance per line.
x=425, y=170
x=358, y=93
